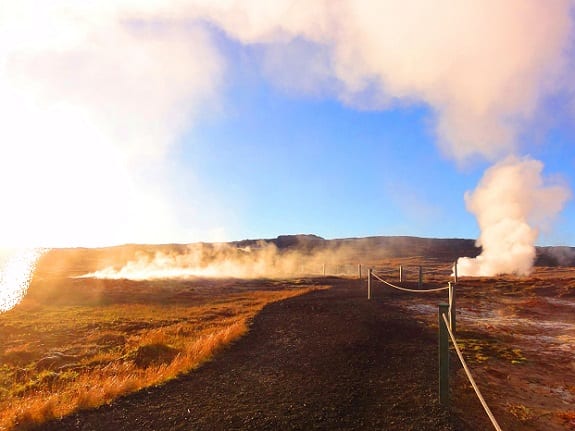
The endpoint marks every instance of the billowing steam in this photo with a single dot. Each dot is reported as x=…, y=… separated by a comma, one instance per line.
x=263, y=259
x=512, y=201
x=92, y=101
x=481, y=65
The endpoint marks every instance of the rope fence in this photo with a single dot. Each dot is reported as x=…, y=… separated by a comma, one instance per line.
x=447, y=325
x=447, y=321
x=404, y=289
x=330, y=268
x=469, y=376
x=400, y=273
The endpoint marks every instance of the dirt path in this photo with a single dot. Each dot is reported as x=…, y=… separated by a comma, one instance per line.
x=328, y=360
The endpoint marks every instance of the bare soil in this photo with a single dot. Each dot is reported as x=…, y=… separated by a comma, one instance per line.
x=327, y=360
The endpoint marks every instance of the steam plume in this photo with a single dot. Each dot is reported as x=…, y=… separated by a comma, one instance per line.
x=226, y=260
x=92, y=102
x=511, y=202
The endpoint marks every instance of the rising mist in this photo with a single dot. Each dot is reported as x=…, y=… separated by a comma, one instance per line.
x=512, y=202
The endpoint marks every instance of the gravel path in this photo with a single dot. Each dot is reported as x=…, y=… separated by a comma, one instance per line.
x=328, y=360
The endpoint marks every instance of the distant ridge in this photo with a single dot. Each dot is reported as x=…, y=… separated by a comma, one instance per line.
x=377, y=246
x=76, y=261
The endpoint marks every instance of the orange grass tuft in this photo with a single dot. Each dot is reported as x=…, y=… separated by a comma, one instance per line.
x=100, y=344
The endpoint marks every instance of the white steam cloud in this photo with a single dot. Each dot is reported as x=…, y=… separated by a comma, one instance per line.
x=226, y=260
x=93, y=95
x=512, y=201
x=91, y=103
x=482, y=65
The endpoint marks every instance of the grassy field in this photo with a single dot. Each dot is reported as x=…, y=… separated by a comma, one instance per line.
x=74, y=344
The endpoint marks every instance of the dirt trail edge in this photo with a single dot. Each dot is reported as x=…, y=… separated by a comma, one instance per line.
x=327, y=360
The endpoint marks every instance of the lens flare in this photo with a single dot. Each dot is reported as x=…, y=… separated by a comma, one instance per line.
x=15, y=275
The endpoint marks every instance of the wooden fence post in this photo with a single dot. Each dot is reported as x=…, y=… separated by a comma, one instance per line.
x=443, y=356
x=420, y=282
x=452, y=308
x=400, y=274
x=369, y=283
x=359, y=270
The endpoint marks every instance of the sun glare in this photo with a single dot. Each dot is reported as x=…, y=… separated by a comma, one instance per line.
x=16, y=271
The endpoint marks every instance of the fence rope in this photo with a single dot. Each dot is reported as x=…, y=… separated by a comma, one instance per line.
x=409, y=290
x=470, y=377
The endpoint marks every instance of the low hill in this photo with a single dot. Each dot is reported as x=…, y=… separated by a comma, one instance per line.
x=77, y=261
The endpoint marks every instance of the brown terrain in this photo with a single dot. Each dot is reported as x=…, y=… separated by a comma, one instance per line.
x=329, y=358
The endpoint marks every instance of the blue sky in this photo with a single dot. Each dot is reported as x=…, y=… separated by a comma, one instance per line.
x=285, y=165
x=274, y=163
x=309, y=165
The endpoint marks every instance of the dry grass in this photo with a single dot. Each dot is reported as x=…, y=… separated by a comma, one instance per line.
x=55, y=359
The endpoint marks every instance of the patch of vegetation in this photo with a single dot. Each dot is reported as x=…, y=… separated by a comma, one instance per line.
x=479, y=350
x=154, y=354
x=523, y=413
x=51, y=357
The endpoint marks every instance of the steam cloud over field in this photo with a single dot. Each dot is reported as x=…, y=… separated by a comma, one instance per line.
x=218, y=260
x=304, y=254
